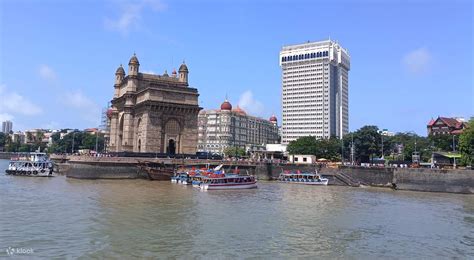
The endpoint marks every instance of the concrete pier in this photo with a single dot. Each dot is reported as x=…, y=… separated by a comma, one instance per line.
x=431, y=180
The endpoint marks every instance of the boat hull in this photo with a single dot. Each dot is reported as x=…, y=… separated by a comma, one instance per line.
x=324, y=182
x=205, y=186
x=29, y=173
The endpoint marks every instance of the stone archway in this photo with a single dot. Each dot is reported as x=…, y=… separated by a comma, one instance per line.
x=172, y=136
x=171, y=149
x=138, y=133
x=120, y=133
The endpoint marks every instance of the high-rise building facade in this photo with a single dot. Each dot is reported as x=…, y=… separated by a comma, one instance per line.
x=7, y=126
x=227, y=127
x=315, y=79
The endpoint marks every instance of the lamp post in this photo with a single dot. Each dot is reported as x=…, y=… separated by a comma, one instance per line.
x=352, y=148
x=382, y=145
x=97, y=141
x=342, y=150
x=72, y=148
x=454, y=156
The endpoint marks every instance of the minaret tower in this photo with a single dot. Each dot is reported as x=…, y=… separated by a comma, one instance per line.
x=133, y=66
x=119, y=75
x=183, y=73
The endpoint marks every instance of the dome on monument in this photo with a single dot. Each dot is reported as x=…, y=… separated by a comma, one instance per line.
x=133, y=60
x=226, y=106
x=183, y=68
x=273, y=118
x=166, y=74
x=120, y=70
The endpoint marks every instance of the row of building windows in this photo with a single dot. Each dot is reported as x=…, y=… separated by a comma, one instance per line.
x=305, y=56
x=303, y=75
x=302, y=71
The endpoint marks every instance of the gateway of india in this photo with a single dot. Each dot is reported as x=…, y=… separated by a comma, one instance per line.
x=153, y=113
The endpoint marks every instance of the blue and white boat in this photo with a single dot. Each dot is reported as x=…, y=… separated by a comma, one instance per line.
x=303, y=178
x=30, y=164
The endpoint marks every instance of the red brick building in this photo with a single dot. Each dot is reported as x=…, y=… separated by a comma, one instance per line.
x=445, y=126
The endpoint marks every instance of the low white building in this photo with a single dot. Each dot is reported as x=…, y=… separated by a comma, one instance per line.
x=302, y=159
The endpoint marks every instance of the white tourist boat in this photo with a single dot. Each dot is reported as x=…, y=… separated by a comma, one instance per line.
x=30, y=164
x=303, y=178
x=229, y=182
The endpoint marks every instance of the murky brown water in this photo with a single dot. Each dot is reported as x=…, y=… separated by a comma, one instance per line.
x=59, y=217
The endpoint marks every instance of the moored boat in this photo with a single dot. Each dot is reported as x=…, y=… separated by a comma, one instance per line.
x=156, y=171
x=30, y=164
x=228, y=182
x=303, y=178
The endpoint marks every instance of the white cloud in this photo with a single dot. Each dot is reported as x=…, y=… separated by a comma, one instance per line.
x=418, y=61
x=148, y=72
x=131, y=15
x=47, y=73
x=12, y=103
x=86, y=108
x=251, y=105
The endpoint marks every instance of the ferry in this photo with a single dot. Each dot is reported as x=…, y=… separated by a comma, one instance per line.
x=228, y=182
x=303, y=178
x=30, y=164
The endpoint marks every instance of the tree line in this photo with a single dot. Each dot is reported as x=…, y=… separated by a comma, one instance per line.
x=82, y=140
x=368, y=143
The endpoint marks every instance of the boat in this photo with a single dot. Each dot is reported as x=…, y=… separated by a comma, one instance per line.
x=30, y=164
x=303, y=178
x=228, y=182
x=156, y=171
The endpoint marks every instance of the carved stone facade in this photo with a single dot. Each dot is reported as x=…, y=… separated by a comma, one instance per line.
x=153, y=113
x=227, y=127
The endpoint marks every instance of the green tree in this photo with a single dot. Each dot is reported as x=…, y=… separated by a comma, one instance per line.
x=441, y=142
x=321, y=148
x=366, y=143
x=3, y=139
x=25, y=148
x=303, y=145
x=466, y=144
x=234, y=151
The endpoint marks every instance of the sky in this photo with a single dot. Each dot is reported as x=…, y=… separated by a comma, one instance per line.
x=410, y=60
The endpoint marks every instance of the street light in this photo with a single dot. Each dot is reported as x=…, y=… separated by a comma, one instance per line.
x=72, y=148
x=352, y=148
x=97, y=141
x=454, y=156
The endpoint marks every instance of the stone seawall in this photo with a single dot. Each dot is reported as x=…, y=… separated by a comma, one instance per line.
x=370, y=176
x=104, y=171
x=433, y=180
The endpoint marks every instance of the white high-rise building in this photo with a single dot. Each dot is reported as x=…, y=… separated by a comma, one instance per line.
x=315, y=90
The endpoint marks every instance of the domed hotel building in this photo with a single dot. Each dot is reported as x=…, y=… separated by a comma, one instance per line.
x=233, y=127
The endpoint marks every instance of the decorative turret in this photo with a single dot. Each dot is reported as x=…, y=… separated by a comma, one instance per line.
x=226, y=106
x=183, y=73
x=174, y=74
x=133, y=66
x=273, y=119
x=166, y=74
x=119, y=75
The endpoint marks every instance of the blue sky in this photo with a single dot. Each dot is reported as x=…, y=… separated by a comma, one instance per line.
x=410, y=60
